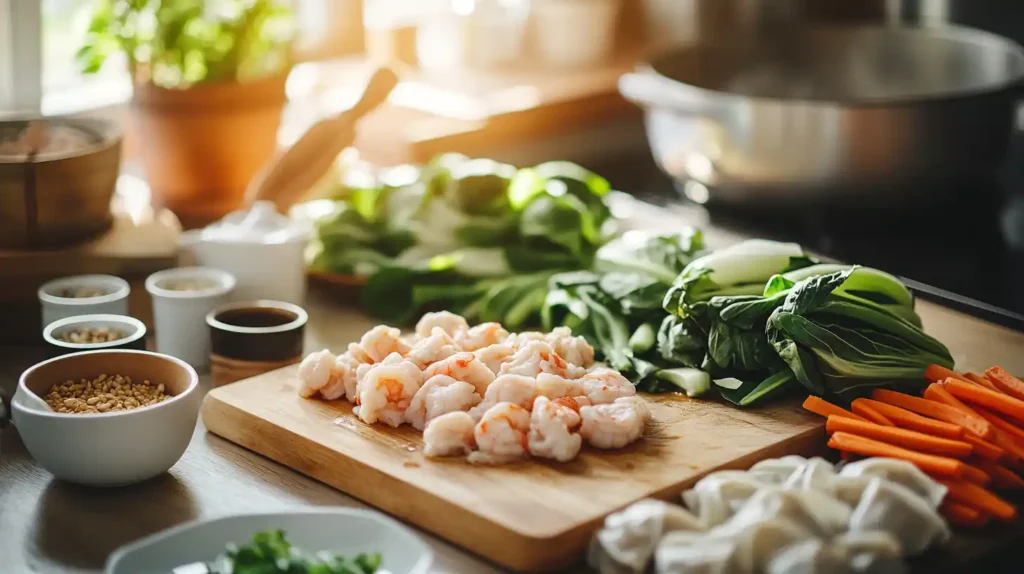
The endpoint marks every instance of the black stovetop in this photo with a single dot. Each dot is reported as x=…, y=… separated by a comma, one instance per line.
x=968, y=253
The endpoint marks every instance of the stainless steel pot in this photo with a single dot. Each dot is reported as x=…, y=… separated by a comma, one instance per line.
x=831, y=115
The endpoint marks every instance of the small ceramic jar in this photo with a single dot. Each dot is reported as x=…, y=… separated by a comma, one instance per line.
x=83, y=295
x=94, y=332
x=254, y=337
x=182, y=298
x=264, y=250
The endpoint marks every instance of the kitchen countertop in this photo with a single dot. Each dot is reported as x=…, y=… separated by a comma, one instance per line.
x=50, y=526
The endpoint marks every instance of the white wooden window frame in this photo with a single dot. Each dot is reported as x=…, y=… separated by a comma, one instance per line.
x=21, y=50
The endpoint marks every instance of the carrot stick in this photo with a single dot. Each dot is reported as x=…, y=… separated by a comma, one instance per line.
x=871, y=414
x=1002, y=424
x=900, y=437
x=820, y=406
x=983, y=448
x=1002, y=477
x=976, y=475
x=970, y=494
x=935, y=410
x=962, y=515
x=980, y=380
x=908, y=420
x=977, y=395
x=930, y=463
x=936, y=373
x=1006, y=382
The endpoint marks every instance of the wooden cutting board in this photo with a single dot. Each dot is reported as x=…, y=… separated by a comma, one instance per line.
x=527, y=516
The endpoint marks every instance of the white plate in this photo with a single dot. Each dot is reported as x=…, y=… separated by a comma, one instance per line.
x=344, y=530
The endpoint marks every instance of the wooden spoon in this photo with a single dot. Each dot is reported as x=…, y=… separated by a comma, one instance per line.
x=295, y=170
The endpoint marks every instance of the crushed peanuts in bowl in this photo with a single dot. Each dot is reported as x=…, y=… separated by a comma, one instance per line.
x=90, y=335
x=104, y=394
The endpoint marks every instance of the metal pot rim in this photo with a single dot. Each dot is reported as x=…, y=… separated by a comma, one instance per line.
x=657, y=65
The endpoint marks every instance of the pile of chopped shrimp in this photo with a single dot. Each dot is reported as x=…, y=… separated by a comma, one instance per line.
x=482, y=391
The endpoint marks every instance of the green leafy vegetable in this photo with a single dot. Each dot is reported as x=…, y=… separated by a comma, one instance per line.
x=270, y=553
x=470, y=235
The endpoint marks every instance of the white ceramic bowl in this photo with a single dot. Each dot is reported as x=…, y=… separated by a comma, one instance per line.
x=345, y=530
x=179, y=316
x=134, y=333
x=55, y=306
x=108, y=449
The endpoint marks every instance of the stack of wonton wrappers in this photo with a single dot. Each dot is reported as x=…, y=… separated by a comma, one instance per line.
x=783, y=516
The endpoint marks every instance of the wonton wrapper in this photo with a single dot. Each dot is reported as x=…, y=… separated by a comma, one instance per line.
x=719, y=495
x=628, y=539
x=815, y=474
x=818, y=513
x=871, y=552
x=694, y=553
x=894, y=508
x=900, y=472
x=777, y=470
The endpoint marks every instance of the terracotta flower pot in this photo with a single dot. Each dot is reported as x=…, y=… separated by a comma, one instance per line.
x=200, y=146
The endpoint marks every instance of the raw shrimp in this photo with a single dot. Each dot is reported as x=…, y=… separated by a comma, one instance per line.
x=576, y=350
x=315, y=372
x=614, y=425
x=441, y=394
x=519, y=339
x=480, y=336
x=381, y=341
x=605, y=385
x=502, y=434
x=463, y=367
x=450, y=434
x=386, y=391
x=448, y=322
x=343, y=379
x=494, y=355
x=439, y=345
x=551, y=433
x=516, y=389
x=537, y=357
x=555, y=387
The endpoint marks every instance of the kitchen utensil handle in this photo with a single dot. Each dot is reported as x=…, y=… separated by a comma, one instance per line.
x=646, y=88
x=295, y=170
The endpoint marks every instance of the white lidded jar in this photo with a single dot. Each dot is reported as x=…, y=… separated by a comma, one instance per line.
x=262, y=249
x=575, y=33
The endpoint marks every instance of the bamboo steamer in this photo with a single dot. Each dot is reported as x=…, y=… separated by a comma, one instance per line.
x=59, y=198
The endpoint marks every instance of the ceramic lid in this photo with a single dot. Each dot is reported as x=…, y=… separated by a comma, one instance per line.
x=259, y=224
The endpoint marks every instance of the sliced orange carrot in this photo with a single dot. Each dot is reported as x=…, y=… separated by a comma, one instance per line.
x=980, y=380
x=908, y=420
x=900, y=437
x=977, y=395
x=984, y=449
x=1006, y=382
x=962, y=515
x=1002, y=424
x=936, y=373
x=1002, y=477
x=935, y=410
x=979, y=498
x=820, y=406
x=872, y=415
x=930, y=463
x=976, y=475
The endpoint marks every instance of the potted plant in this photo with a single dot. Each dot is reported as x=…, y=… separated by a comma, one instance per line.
x=209, y=78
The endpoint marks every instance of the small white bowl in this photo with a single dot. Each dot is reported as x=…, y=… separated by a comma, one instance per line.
x=108, y=449
x=179, y=316
x=133, y=329
x=347, y=531
x=55, y=306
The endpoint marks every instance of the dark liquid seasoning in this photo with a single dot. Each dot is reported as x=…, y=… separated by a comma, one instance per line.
x=256, y=317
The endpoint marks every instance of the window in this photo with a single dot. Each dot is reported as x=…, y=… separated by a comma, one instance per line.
x=39, y=39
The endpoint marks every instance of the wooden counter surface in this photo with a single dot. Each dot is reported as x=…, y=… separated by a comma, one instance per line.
x=50, y=526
